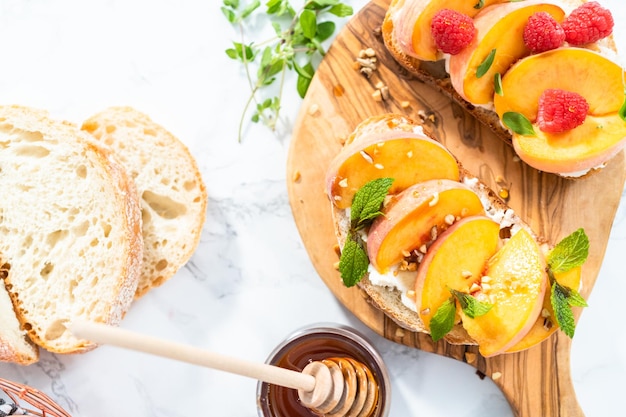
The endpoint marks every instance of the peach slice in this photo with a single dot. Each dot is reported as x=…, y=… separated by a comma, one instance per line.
x=545, y=324
x=408, y=157
x=409, y=219
x=595, y=77
x=455, y=260
x=499, y=27
x=515, y=288
x=412, y=23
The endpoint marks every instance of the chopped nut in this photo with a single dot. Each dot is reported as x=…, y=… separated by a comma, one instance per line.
x=367, y=157
x=433, y=232
x=449, y=219
x=337, y=250
x=423, y=249
x=343, y=183
x=411, y=294
x=399, y=332
x=470, y=357
x=405, y=104
x=366, y=71
x=425, y=311
x=336, y=265
x=406, y=253
x=379, y=166
x=377, y=95
x=485, y=279
x=409, y=154
x=486, y=287
x=384, y=91
x=370, y=52
x=296, y=176
x=466, y=274
x=379, y=85
x=496, y=375
x=547, y=323
x=434, y=200
x=475, y=287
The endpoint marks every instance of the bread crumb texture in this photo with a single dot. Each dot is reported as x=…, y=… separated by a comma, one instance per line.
x=70, y=226
x=173, y=194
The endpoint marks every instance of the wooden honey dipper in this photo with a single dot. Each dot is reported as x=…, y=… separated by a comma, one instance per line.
x=341, y=387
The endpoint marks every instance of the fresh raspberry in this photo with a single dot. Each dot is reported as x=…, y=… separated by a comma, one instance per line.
x=561, y=110
x=588, y=23
x=543, y=33
x=452, y=31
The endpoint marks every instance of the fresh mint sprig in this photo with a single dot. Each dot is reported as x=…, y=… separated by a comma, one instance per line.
x=569, y=253
x=366, y=206
x=443, y=320
x=297, y=43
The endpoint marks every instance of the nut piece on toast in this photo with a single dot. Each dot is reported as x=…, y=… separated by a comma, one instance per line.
x=495, y=68
x=71, y=242
x=172, y=193
x=441, y=247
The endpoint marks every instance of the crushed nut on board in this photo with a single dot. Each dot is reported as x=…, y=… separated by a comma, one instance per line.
x=314, y=109
x=470, y=357
x=496, y=375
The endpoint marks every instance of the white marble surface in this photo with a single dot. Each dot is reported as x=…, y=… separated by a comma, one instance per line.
x=250, y=282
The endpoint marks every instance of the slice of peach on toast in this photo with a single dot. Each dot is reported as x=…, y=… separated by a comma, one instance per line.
x=598, y=79
x=499, y=43
x=514, y=283
x=546, y=323
x=403, y=153
x=454, y=261
x=415, y=217
x=413, y=21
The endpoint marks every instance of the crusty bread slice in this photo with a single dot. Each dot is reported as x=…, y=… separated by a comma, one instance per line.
x=15, y=346
x=71, y=228
x=434, y=73
x=389, y=299
x=172, y=194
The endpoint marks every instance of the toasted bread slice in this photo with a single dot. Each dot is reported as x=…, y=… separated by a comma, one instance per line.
x=434, y=72
x=389, y=299
x=71, y=228
x=173, y=195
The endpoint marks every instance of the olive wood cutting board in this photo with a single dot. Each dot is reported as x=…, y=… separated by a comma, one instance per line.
x=536, y=381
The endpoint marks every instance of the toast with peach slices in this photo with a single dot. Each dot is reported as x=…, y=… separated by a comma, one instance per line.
x=543, y=75
x=436, y=237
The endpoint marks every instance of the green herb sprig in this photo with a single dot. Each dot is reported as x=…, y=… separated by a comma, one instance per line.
x=486, y=64
x=569, y=253
x=298, y=41
x=366, y=206
x=518, y=123
x=443, y=320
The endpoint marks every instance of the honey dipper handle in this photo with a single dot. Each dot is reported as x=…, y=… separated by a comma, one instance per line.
x=104, y=334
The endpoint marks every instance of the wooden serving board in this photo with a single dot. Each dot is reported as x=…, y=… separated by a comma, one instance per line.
x=536, y=381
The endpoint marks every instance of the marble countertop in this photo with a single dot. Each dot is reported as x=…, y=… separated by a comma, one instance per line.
x=250, y=282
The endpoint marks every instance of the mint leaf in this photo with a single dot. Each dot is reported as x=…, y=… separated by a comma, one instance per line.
x=480, y=4
x=443, y=320
x=470, y=305
x=353, y=263
x=518, y=123
x=497, y=84
x=622, y=110
x=486, y=64
x=562, y=311
x=308, y=22
x=569, y=253
x=368, y=200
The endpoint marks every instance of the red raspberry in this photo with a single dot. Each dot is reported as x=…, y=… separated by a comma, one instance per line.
x=561, y=110
x=588, y=23
x=452, y=31
x=543, y=33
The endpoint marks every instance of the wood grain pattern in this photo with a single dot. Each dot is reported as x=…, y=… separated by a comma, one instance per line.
x=536, y=381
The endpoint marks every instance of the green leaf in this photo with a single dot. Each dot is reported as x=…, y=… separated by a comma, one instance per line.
x=470, y=305
x=443, y=320
x=569, y=253
x=341, y=10
x=575, y=299
x=325, y=30
x=308, y=21
x=497, y=84
x=249, y=9
x=230, y=14
x=562, y=311
x=305, y=75
x=368, y=199
x=622, y=110
x=353, y=263
x=480, y=4
x=518, y=123
x=486, y=64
